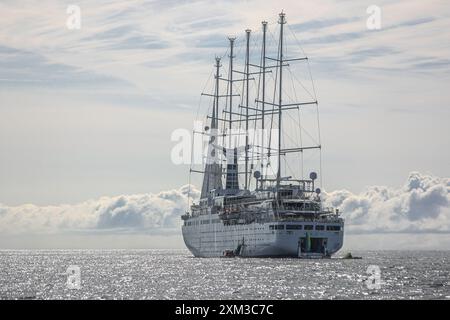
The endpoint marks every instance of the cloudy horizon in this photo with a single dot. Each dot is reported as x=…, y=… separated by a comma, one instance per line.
x=415, y=214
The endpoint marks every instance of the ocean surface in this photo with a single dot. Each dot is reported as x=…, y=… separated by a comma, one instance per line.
x=175, y=274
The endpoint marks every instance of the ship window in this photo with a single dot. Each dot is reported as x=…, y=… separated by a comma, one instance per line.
x=334, y=228
x=286, y=193
x=279, y=227
x=320, y=227
x=271, y=227
x=309, y=227
x=294, y=227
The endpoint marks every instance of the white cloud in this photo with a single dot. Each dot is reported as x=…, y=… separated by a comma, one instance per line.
x=421, y=205
x=140, y=213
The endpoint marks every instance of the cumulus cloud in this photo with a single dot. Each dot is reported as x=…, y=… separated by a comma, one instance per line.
x=422, y=204
x=152, y=213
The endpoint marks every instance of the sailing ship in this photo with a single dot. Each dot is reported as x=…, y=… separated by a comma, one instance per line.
x=259, y=211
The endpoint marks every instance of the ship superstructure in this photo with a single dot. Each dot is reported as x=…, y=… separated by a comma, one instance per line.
x=249, y=206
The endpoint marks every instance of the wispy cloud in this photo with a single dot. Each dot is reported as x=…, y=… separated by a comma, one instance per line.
x=162, y=33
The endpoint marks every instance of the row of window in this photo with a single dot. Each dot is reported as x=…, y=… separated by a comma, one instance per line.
x=308, y=227
x=319, y=227
x=197, y=222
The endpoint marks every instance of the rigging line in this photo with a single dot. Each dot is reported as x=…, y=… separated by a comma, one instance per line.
x=255, y=122
x=308, y=65
x=299, y=125
x=262, y=76
x=223, y=55
x=288, y=136
x=302, y=164
x=241, y=110
x=290, y=116
x=320, y=168
x=289, y=97
x=200, y=99
x=306, y=89
x=289, y=167
x=190, y=174
x=306, y=131
x=242, y=96
x=317, y=106
x=295, y=38
x=223, y=124
x=320, y=142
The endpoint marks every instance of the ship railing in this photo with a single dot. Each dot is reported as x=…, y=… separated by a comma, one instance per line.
x=308, y=219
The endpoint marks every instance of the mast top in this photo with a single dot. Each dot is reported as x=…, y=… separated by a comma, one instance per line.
x=282, y=18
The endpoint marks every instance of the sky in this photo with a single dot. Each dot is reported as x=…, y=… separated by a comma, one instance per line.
x=86, y=116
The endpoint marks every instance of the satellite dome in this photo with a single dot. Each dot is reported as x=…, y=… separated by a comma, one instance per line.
x=313, y=176
x=257, y=174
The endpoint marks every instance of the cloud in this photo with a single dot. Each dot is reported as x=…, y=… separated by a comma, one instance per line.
x=141, y=213
x=421, y=205
x=26, y=68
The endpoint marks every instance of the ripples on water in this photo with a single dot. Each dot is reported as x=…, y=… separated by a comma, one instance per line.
x=175, y=274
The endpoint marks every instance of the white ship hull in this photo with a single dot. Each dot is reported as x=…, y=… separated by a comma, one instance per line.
x=207, y=236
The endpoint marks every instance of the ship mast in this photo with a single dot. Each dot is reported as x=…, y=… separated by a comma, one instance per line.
x=280, y=99
x=216, y=96
x=263, y=98
x=231, y=85
x=247, y=75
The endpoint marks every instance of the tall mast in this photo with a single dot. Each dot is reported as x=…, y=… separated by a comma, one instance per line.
x=247, y=73
x=216, y=98
x=230, y=83
x=280, y=100
x=263, y=98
